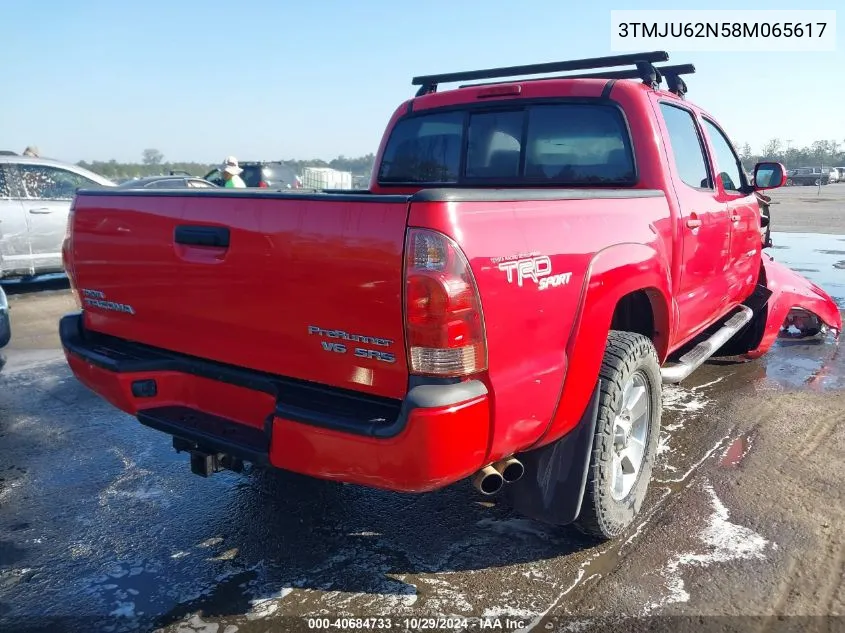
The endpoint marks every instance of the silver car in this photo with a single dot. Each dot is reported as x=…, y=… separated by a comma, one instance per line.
x=35, y=197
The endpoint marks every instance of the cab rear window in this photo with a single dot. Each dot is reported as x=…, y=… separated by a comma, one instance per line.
x=557, y=144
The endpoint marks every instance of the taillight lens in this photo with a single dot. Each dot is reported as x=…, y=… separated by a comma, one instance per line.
x=263, y=184
x=443, y=320
x=67, y=254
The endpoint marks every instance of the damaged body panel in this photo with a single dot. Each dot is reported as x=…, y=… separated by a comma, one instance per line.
x=793, y=294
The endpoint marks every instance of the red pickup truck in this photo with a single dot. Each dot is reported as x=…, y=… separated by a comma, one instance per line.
x=533, y=259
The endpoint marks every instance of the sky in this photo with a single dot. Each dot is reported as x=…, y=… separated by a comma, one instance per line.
x=201, y=80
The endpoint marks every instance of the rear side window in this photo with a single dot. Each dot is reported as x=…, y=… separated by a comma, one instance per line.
x=686, y=146
x=5, y=188
x=560, y=144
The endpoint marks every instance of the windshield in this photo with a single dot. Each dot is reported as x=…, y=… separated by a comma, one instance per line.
x=559, y=144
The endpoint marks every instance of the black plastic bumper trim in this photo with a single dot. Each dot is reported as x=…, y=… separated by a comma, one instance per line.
x=210, y=433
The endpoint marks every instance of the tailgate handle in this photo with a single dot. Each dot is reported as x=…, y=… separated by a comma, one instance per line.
x=193, y=235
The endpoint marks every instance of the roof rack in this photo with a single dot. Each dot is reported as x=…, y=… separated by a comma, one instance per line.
x=670, y=73
x=643, y=63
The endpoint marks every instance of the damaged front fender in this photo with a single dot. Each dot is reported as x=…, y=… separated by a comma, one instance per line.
x=797, y=302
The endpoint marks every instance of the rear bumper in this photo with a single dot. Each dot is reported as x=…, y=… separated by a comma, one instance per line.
x=435, y=436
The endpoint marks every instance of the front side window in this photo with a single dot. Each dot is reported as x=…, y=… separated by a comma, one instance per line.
x=44, y=182
x=556, y=144
x=729, y=165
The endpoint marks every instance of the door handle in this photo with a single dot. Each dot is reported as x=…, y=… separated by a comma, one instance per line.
x=40, y=210
x=693, y=221
x=195, y=235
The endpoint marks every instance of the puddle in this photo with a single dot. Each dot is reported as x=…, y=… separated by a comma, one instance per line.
x=737, y=451
x=811, y=363
x=818, y=257
x=805, y=365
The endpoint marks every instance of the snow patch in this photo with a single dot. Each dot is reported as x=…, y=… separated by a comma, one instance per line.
x=683, y=400
x=725, y=542
x=195, y=624
x=695, y=466
x=265, y=607
x=507, y=612
x=579, y=577
x=682, y=403
x=124, y=610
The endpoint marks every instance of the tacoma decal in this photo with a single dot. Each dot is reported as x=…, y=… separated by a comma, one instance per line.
x=537, y=268
x=338, y=347
x=97, y=299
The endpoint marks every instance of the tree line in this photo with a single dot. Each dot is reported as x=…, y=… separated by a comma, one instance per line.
x=153, y=163
x=817, y=154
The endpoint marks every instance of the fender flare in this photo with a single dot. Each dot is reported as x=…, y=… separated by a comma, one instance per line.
x=613, y=272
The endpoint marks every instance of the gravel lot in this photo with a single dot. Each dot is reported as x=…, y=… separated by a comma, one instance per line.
x=103, y=528
x=809, y=209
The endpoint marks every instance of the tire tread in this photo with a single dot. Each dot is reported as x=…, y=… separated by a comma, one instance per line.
x=624, y=352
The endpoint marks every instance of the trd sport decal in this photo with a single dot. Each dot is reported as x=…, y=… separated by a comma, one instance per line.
x=536, y=268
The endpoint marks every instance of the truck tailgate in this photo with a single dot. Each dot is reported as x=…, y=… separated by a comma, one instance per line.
x=303, y=286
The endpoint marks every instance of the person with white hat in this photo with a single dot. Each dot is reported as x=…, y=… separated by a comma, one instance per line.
x=232, y=173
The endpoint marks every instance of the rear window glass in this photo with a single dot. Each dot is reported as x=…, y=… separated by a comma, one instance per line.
x=280, y=174
x=562, y=144
x=424, y=149
x=251, y=175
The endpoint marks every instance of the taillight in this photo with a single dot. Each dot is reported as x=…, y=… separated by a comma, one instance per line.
x=67, y=254
x=263, y=185
x=444, y=325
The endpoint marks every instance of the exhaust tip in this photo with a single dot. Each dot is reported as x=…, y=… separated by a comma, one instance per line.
x=488, y=481
x=510, y=469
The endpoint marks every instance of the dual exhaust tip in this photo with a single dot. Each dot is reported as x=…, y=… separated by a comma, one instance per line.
x=490, y=479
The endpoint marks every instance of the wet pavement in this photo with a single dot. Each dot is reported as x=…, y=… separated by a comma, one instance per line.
x=103, y=528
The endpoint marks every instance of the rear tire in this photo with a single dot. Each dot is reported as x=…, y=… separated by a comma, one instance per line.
x=626, y=436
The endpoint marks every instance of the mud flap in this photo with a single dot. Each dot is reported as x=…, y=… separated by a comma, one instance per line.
x=552, y=488
x=793, y=291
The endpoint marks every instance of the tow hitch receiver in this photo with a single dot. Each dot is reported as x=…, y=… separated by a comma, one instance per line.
x=205, y=463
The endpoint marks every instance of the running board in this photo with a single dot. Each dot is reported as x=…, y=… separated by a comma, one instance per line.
x=694, y=358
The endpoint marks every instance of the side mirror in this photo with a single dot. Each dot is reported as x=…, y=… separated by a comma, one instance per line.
x=769, y=176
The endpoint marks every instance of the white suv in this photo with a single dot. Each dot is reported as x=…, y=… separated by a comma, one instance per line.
x=35, y=198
